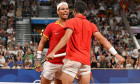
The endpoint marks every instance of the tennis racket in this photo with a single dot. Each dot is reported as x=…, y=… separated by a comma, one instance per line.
x=55, y=56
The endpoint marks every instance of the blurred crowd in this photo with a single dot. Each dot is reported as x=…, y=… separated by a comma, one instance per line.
x=18, y=57
x=10, y=54
x=104, y=13
x=132, y=11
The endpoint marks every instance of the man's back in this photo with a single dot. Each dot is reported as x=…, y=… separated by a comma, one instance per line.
x=78, y=47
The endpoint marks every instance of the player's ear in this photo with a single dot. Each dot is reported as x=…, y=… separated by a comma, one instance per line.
x=58, y=11
x=74, y=11
x=84, y=12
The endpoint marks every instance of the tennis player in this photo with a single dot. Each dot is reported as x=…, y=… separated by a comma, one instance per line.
x=78, y=39
x=53, y=32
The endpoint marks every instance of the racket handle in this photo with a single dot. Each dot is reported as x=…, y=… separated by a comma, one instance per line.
x=60, y=55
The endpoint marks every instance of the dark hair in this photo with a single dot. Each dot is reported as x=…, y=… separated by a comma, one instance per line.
x=80, y=7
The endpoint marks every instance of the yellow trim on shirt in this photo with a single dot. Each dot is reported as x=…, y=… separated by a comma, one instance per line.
x=58, y=23
x=45, y=36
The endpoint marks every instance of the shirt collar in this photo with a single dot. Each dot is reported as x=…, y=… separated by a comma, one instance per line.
x=58, y=23
x=80, y=16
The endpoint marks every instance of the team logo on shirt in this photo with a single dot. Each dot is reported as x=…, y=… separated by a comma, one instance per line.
x=56, y=33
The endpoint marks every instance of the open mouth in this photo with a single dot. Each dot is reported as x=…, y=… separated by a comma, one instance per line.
x=65, y=15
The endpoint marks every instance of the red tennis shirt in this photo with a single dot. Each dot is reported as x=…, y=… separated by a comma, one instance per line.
x=55, y=32
x=79, y=44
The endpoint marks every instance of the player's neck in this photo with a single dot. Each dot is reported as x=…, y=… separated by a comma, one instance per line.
x=78, y=14
x=62, y=21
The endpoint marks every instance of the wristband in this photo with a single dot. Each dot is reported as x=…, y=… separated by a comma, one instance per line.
x=112, y=51
x=39, y=54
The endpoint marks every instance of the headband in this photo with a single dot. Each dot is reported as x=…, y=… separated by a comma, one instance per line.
x=60, y=4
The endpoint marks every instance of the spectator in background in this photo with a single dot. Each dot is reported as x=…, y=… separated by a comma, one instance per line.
x=29, y=54
x=109, y=65
x=4, y=17
x=137, y=65
x=125, y=53
x=93, y=62
x=3, y=50
x=129, y=62
x=26, y=47
x=19, y=4
x=7, y=56
x=9, y=30
x=118, y=19
x=135, y=55
x=119, y=65
x=0, y=10
x=125, y=39
x=108, y=57
x=113, y=63
x=19, y=50
x=6, y=66
x=28, y=63
x=4, y=12
x=2, y=42
x=3, y=36
x=2, y=61
x=11, y=40
x=111, y=20
x=98, y=65
x=35, y=37
x=26, y=9
x=34, y=9
x=19, y=62
x=133, y=15
x=31, y=45
x=11, y=62
x=3, y=25
x=13, y=2
x=116, y=6
x=138, y=14
x=5, y=4
x=103, y=62
x=10, y=14
x=70, y=4
x=12, y=7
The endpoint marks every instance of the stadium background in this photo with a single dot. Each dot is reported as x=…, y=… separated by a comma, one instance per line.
x=23, y=21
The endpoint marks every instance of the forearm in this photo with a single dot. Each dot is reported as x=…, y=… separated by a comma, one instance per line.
x=41, y=46
x=105, y=43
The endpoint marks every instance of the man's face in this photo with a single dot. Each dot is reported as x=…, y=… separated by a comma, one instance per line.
x=63, y=11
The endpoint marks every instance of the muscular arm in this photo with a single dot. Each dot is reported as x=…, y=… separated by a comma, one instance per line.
x=63, y=40
x=42, y=43
x=102, y=40
x=107, y=44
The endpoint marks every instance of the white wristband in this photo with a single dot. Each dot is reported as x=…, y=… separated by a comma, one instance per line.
x=39, y=54
x=112, y=51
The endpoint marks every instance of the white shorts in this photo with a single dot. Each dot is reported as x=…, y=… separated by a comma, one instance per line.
x=51, y=70
x=73, y=67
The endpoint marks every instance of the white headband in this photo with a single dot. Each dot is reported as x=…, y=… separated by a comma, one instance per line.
x=60, y=4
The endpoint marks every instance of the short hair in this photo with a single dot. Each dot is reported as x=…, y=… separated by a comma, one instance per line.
x=80, y=7
x=138, y=50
